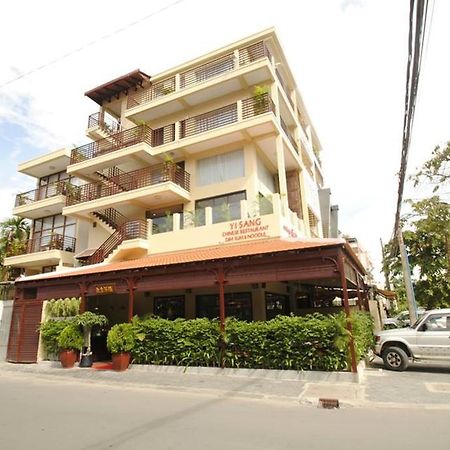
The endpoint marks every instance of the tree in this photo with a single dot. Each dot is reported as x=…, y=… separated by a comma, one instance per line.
x=427, y=239
x=436, y=170
x=14, y=233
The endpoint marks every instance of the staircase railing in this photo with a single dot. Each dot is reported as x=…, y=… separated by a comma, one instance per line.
x=133, y=229
x=112, y=217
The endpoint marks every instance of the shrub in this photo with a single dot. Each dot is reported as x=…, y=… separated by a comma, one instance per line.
x=71, y=338
x=63, y=307
x=50, y=332
x=178, y=342
x=312, y=342
x=120, y=338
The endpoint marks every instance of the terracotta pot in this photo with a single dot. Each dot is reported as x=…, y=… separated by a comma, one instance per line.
x=68, y=358
x=120, y=361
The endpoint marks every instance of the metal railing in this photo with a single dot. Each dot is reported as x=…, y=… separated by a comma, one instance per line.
x=123, y=139
x=284, y=86
x=208, y=121
x=207, y=71
x=105, y=122
x=111, y=217
x=254, y=52
x=133, y=229
x=47, y=191
x=200, y=73
x=156, y=90
x=54, y=241
x=289, y=135
x=256, y=105
x=128, y=181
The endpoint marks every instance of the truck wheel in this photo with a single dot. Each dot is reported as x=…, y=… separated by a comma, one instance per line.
x=395, y=358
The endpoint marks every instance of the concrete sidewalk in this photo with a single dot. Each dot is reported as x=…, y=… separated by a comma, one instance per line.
x=422, y=386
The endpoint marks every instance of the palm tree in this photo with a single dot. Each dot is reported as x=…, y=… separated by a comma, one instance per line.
x=14, y=233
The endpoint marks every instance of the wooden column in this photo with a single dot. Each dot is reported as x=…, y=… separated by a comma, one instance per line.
x=341, y=266
x=358, y=292
x=220, y=280
x=131, y=284
x=83, y=292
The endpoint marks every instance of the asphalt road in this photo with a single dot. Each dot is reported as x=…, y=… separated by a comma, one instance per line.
x=38, y=413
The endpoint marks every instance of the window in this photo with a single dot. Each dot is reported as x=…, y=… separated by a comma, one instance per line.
x=162, y=219
x=54, y=232
x=265, y=177
x=276, y=304
x=169, y=307
x=220, y=168
x=238, y=305
x=439, y=322
x=225, y=207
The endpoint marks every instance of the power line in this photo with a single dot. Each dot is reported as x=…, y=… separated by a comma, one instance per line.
x=417, y=35
x=91, y=43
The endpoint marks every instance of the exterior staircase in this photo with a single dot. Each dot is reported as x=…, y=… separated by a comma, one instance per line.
x=124, y=229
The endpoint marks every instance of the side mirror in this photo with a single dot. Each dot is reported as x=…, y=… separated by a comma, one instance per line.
x=423, y=327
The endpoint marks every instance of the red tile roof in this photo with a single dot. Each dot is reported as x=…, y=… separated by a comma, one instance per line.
x=219, y=252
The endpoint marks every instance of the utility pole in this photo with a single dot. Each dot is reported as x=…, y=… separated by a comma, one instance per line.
x=385, y=268
x=412, y=306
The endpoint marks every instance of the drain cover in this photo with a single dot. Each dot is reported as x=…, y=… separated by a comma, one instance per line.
x=328, y=403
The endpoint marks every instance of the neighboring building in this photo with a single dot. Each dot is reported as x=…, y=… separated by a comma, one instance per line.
x=215, y=159
x=364, y=258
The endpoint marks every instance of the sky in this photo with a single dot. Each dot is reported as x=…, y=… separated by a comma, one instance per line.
x=348, y=58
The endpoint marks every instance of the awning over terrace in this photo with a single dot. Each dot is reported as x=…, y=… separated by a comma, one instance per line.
x=115, y=87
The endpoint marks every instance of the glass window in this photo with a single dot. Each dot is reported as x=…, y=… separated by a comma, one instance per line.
x=169, y=307
x=225, y=207
x=438, y=323
x=276, y=304
x=219, y=168
x=237, y=305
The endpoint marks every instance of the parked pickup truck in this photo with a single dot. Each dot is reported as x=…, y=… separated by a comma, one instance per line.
x=427, y=339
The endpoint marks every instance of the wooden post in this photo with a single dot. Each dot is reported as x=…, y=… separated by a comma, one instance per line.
x=220, y=277
x=341, y=266
x=131, y=284
x=83, y=292
x=358, y=292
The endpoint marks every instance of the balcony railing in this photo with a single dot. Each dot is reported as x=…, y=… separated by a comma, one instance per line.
x=123, y=139
x=200, y=73
x=226, y=115
x=129, y=181
x=285, y=88
x=106, y=123
x=289, y=135
x=47, y=191
x=52, y=241
x=134, y=229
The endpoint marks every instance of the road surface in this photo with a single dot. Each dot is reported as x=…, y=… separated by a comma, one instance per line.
x=48, y=414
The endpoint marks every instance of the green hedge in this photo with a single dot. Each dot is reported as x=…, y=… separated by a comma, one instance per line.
x=50, y=332
x=312, y=342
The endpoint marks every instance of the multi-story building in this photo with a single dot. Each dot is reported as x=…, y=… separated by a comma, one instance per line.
x=207, y=142
x=219, y=150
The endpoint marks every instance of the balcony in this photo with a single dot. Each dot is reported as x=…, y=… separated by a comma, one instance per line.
x=49, y=250
x=142, y=140
x=246, y=66
x=163, y=183
x=118, y=147
x=45, y=201
x=102, y=125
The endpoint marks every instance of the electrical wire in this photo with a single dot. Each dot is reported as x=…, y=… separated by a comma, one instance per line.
x=91, y=43
x=416, y=38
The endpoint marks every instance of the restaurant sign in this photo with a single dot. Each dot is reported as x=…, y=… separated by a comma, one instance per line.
x=243, y=230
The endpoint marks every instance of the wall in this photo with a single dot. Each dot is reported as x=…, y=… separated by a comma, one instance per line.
x=6, y=309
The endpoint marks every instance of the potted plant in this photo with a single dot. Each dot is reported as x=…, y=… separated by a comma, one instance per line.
x=260, y=99
x=120, y=343
x=70, y=342
x=88, y=320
